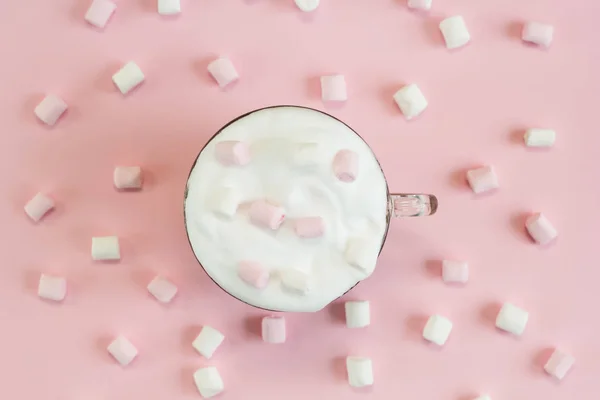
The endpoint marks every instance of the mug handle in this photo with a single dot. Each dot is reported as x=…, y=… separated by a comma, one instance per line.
x=412, y=205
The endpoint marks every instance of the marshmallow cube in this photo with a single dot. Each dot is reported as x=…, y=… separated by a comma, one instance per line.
x=455, y=32
x=105, y=248
x=411, y=101
x=266, y=215
x=540, y=229
x=230, y=152
x=482, y=179
x=420, y=4
x=162, y=289
x=38, y=206
x=50, y=109
x=307, y=5
x=254, y=274
x=127, y=178
x=209, y=382
x=100, y=12
x=169, y=7
x=333, y=88
x=273, y=329
x=512, y=319
x=437, y=329
x=207, y=342
x=540, y=137
x=360, y=371
x=122, y=350
x=455, y=271
x=345, y=165
x=128, y=77
x=358, y=314
x=538, y=33
x=52, y=287
x=225, y=201
x=296, y=281
x=559, y=364
x=223, y=71
x=360, y=254
x=309, y=227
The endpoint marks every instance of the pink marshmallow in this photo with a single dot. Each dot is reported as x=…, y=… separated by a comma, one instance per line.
x=223, y=71
x=482, y=179
x=273, y=329
x=253, y=273
x=50, y=109
x=232, y=153
x=309, y=227
x=419, y=4
x=345, y=165
x=455, y=271
x=38, y=206
x=540, y=229
x=100, y=12
x=537, y=33
x=559, y=364
x=266, y=215
x=127, y=177
x=333, y=88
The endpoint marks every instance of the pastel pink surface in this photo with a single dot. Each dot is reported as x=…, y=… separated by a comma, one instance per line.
x=253, y=274
x=480, y=100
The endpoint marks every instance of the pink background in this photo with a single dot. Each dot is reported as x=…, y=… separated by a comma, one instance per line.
x=481, y=98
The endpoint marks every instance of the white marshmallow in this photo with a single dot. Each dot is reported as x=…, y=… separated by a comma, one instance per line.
x=411, y=101
x=540, y=229
x=127, y=178
x=52, y=287
x=296, y=281
x=105, y=248
x=207, y=342
x=273, y=329
x=306, y=154
x=38, y=206
x=559, y=364
x=50, y=109
x=360, y=255
x=333, y=88
x=358, y=314
x=163, y=289
x=128, y=77
x=223, y=71
x=100, y=12
x=420, y=4
x=540, y=137
x=169, y=7
x=482, y=179
x=512, y=319
x=455, y=32
x=209, y=382
x=437, y=329
x=307, y=5
x=360, y=371
x=538, y=33
x=225, y=201
x=455, y=271
x=122, y=350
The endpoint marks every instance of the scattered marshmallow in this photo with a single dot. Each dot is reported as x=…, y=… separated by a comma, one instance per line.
x=266, y=215
x=38, y=206
x=230, y=152
x=512, y=319
x=559, y=364
x=127, y=178
x=122, y=350
x=455, y=271
x=207, y=342
x=296, y=281
x=209, y=382
x=482, y=179
x=105, y=248
x=333, y=88
x=254, y=274
x=360, y=371
x=540, y=137
x=50, y=109
x=52, y=287
x=163, y=289
x=307, y=5
x=455, y=32
x=358, y=314
x=437, y=330
x=538, y=33
x=225, y=201
x=169, y=7
x=306, y=154
x=411, y=101
x=360, y=254
x=100, y=12
x=223, y=71
x=420, y=4
x=345, y=165
x=273, y=329
x=540, y=229
x=128, y=77
x=309, y=227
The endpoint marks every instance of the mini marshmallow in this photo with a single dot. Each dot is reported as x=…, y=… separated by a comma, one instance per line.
x=100, y=12
x=122, y=350
x=230, y=152
x=360, y=371
x=296, y=281
x=559, y=364
x=52, y=287
x=512, y=319
x=307, y=5
x=253, y=273
x=163, y=289
x=538, y=33
x=223, y=71
x=482, y=179
x=127, y=178
x=273, y=329
x=128, y=77
x=38, y=206
x=411, y=101
x=209, y=382
x=358, y=314
x=360, y=254
x=225, y=201
x=437, y=330
x=345, y=165
x=207, y=342
x=309, y=227
x=333, y=88
x=169, y=7
x=455, y=32
x=266, y=215
x=540, y=229
x=50, y=109
x=306, y=154
x=455, y=271
x=540, y=137
x=420, y=4
x=105, y=248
